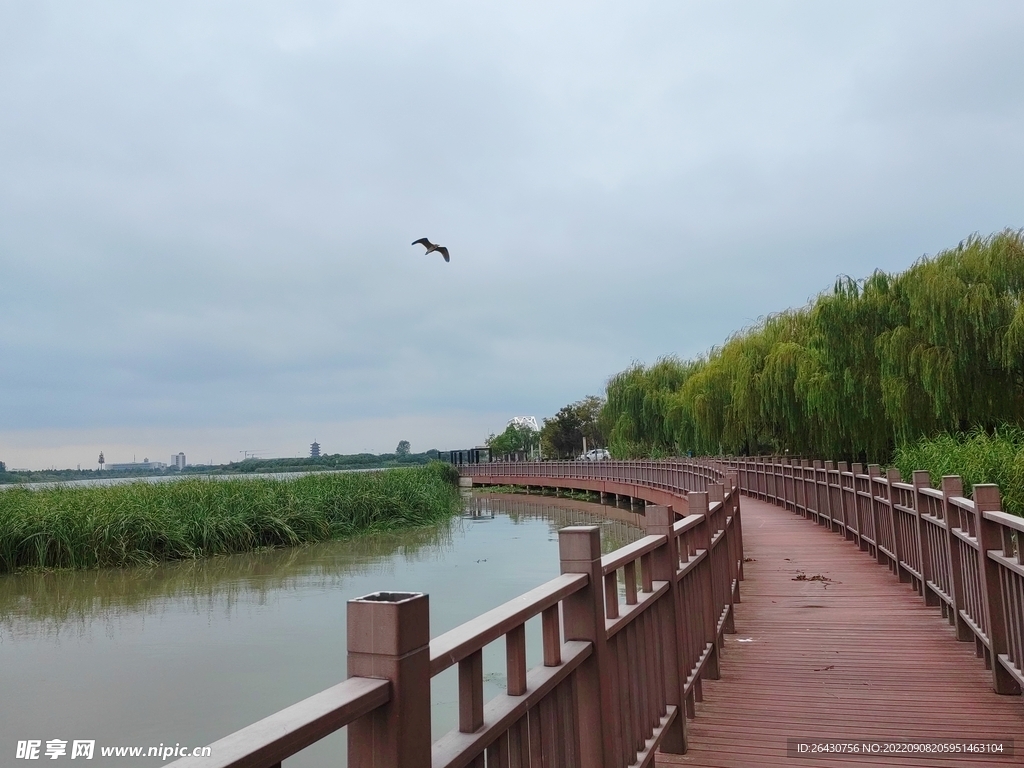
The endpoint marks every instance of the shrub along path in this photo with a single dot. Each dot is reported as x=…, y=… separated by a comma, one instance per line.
x=830, y=645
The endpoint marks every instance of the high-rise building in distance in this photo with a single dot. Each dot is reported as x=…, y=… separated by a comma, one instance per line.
x=178, y=460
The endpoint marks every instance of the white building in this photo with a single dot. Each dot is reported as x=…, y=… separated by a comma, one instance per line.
x=145, y=464
x=178, y=460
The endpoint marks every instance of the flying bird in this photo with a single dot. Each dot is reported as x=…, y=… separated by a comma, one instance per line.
x=431, y=247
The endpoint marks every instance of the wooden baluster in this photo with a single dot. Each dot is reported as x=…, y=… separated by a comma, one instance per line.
x=611, y=595
x=646, y=577
x=471, y=692
x=515, y=661
x=552, y=636
x=986, y=499
x=498, y=752
x=629, y=578
x=536, y=745
x=389, y=638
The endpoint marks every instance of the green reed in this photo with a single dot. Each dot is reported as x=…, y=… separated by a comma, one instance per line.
x=143, y=523
x=977, y=456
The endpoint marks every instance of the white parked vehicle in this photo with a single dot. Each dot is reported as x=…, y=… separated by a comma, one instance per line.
x=598, y=454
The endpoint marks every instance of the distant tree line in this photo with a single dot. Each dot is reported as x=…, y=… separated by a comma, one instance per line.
x=401, y=457
x=866, y=367
x=333, y=461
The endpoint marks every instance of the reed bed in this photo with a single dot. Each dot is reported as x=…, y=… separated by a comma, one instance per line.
x=142, y=523
x=977, y=456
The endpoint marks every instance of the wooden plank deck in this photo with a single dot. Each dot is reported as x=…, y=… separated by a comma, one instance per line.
x=856, y=657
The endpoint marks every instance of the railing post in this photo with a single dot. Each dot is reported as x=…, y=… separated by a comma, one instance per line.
x=844, y=507
x=389, y=638
x=922, y=479
x=952, y=486
x=583, y=618
x=875, y=471
x=716, y=493
x=986, y=499
x=664, y=564
x=892, y=476
x=857, y=469
x=821, y=510
x=731, y=479
x=698, y=505
x=834, y=523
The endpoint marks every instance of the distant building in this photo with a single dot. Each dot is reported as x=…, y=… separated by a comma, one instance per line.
x=178, y=460
x=142, y=466
x=314, y=450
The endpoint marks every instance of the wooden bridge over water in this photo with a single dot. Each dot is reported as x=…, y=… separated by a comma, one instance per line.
x=824, y=611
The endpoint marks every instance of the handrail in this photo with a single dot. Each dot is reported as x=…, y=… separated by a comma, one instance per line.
x=1005, y=518
x=455, y=645
x=630, y=552
x=269, y=741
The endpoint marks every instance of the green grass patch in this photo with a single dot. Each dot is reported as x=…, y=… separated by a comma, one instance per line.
x=144, y=523
x=977, y=456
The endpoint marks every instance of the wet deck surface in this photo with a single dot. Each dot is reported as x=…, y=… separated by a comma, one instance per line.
x=853, y=658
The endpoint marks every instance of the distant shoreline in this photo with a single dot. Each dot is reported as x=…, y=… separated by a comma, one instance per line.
x=249, y=467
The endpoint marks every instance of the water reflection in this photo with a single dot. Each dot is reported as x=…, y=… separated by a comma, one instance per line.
x=49, y=602
x=191, y=651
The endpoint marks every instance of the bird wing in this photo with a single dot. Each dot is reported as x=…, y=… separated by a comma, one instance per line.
x=443, y=251
x=424, y=242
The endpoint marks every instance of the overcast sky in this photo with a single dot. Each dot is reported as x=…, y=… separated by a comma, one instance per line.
x=206, y=208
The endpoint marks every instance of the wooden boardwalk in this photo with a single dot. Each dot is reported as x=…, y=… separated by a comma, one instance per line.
x=829, y=645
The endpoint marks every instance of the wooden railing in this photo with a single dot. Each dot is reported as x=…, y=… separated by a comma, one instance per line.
x=675, y=476
x=627, y=638
x=960, y=554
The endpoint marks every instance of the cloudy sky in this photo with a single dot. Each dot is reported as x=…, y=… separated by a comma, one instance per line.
x=206, y=207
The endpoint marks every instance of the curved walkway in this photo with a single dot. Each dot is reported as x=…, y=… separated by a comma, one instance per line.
x=830, y=645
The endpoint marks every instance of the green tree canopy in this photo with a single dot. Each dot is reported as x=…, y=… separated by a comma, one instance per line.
x=867, y=366
x=514, y=440
x=562, y=435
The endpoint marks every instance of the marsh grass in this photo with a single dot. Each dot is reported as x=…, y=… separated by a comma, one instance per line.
x=977, y=456
x=142, y=523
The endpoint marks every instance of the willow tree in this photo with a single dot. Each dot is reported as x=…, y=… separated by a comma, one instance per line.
x=867, y=366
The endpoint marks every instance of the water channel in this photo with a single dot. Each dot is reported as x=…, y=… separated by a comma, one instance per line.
x=186, y=653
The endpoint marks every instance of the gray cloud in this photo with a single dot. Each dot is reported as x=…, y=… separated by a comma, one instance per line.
x=205, y=209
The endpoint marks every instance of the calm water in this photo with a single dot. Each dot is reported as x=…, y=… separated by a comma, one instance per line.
x=174, y=478
x=190, y=652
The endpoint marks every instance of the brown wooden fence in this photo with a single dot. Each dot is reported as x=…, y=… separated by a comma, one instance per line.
x=960, y=554
x=627, y=639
